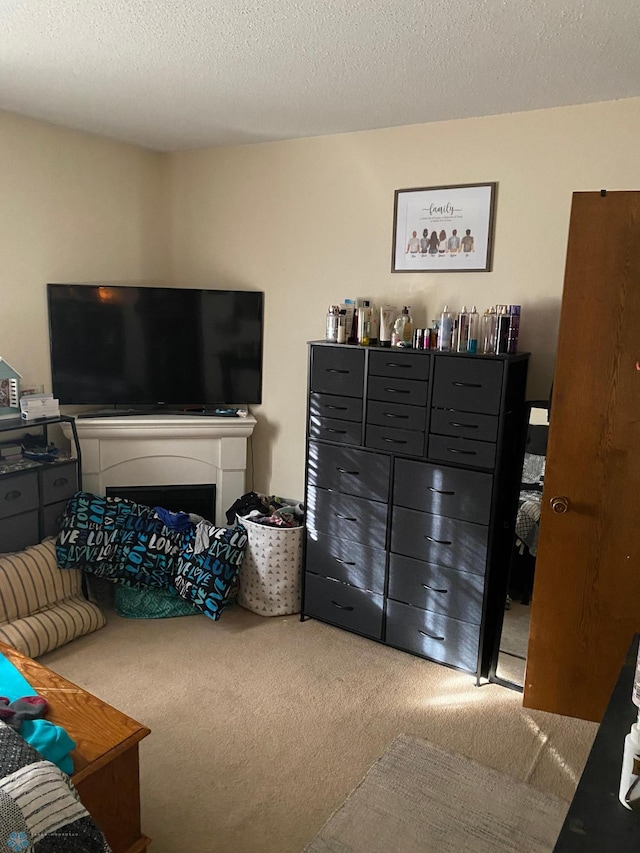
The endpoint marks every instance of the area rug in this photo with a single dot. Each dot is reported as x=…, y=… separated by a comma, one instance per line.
x=420, y=798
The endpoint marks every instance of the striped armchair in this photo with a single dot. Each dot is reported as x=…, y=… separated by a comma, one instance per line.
x=41, y=606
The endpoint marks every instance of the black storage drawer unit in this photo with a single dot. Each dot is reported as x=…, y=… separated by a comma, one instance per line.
x=346, y=561
x=344, y=605
x=337, y=372
x=18, y=493
x=346, y=516
x=409, y=537
x=350, y=471
x=441, y=490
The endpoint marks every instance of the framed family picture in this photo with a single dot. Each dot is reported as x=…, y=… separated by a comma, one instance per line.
x=444, y=229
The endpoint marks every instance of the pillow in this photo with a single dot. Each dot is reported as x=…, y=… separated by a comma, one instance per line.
x=41, y=606
x=30, y=581
x=207, y=567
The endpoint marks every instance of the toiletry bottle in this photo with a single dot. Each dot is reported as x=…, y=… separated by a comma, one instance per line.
x=502, y=329
x=407, y=331
x=342, y=326
x=474, y=326
x=435, y=325
x=352, y=337
x=387, y=316
x=374, y=325
x=332, y=324
x=514, y=328
x=444, y=330
x=462, y=331
x=397, y=336
x=629, y=794
x=363, y=323
x=488, y=331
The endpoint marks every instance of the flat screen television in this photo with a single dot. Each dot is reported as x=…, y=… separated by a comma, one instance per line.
x=146, y=347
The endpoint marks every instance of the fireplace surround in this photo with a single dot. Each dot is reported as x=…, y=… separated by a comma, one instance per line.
x=166, y=450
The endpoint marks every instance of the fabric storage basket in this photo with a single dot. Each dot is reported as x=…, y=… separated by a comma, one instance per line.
x=270, y=572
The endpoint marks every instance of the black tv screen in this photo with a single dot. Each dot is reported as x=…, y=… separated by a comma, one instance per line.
x=132, y=346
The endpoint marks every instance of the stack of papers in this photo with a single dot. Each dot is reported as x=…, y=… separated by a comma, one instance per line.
x=35, y=406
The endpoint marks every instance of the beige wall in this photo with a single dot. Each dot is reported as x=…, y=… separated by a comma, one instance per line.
x=307, y=221
x=310, y=222
x=73, y=207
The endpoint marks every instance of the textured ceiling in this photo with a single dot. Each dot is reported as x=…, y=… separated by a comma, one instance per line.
x=179, y=74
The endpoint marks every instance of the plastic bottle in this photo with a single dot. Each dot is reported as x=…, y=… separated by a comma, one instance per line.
x=502, y=329
x=407, y=331
x=474, y=326
x=364, y=317
x=444, y=330
x=397, y=336
x=462, y=332
x=488, y=331
x=374, y=325
x=514, y=328
x=342, y=326
x=331, y=334
x=629, y=794
x=435, y=325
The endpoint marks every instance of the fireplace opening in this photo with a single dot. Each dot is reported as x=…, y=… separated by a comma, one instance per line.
x=199, y=499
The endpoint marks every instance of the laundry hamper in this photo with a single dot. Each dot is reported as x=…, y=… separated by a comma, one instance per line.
x=269, y=580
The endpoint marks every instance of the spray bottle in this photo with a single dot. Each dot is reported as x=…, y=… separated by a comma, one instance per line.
x=444, y=330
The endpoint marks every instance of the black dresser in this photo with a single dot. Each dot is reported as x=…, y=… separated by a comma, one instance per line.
x=412, y=477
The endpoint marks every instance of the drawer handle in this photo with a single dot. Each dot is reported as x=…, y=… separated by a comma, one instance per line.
x=433, y=588
x=336, y=408
x=467, y=384
x=396, y=417
x=463, y=452
x=335, y=370
x=397, y=390
x=394, y=440
x=439, y=491
x=61, y=481
x=344, y=471
x=343, y=562
x=430, y=636
x=13, y=495
x=393, y=364
x=345, y=517
x=342, y=606
x=463, y=426
x=338, y=431
x=438, y=541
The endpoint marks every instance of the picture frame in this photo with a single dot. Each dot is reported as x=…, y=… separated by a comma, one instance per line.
x=465, y=213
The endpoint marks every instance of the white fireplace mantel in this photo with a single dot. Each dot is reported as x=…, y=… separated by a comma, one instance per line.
x=166, y=450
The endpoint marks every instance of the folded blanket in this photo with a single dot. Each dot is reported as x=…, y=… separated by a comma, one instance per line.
x=51, y=740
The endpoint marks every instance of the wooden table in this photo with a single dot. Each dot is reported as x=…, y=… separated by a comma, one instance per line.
x=597, y=821
x=105, y=760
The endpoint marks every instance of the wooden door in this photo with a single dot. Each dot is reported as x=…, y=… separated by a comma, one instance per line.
x=586, y=597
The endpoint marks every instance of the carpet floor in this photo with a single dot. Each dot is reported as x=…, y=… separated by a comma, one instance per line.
x=419, y=798
x=261, y=727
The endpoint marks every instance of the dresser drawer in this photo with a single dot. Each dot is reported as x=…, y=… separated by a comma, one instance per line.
x=467, y=384
x=18, y=493
x=396, y=415
x=464, y=451
x=395, y=440
x=59, y=482
x=402, y=365
x=350, y=471
x=347, y=517
x=444, y=541
x=447, y=591
x=344, y=605
x=19, y=531
x=391, y=390
x=437, y=489
x=432, y=635
x=330, y=429
x=51, y=518
x=332, y=406
x=346, y=561
x=464, y=425
x=337, y=370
